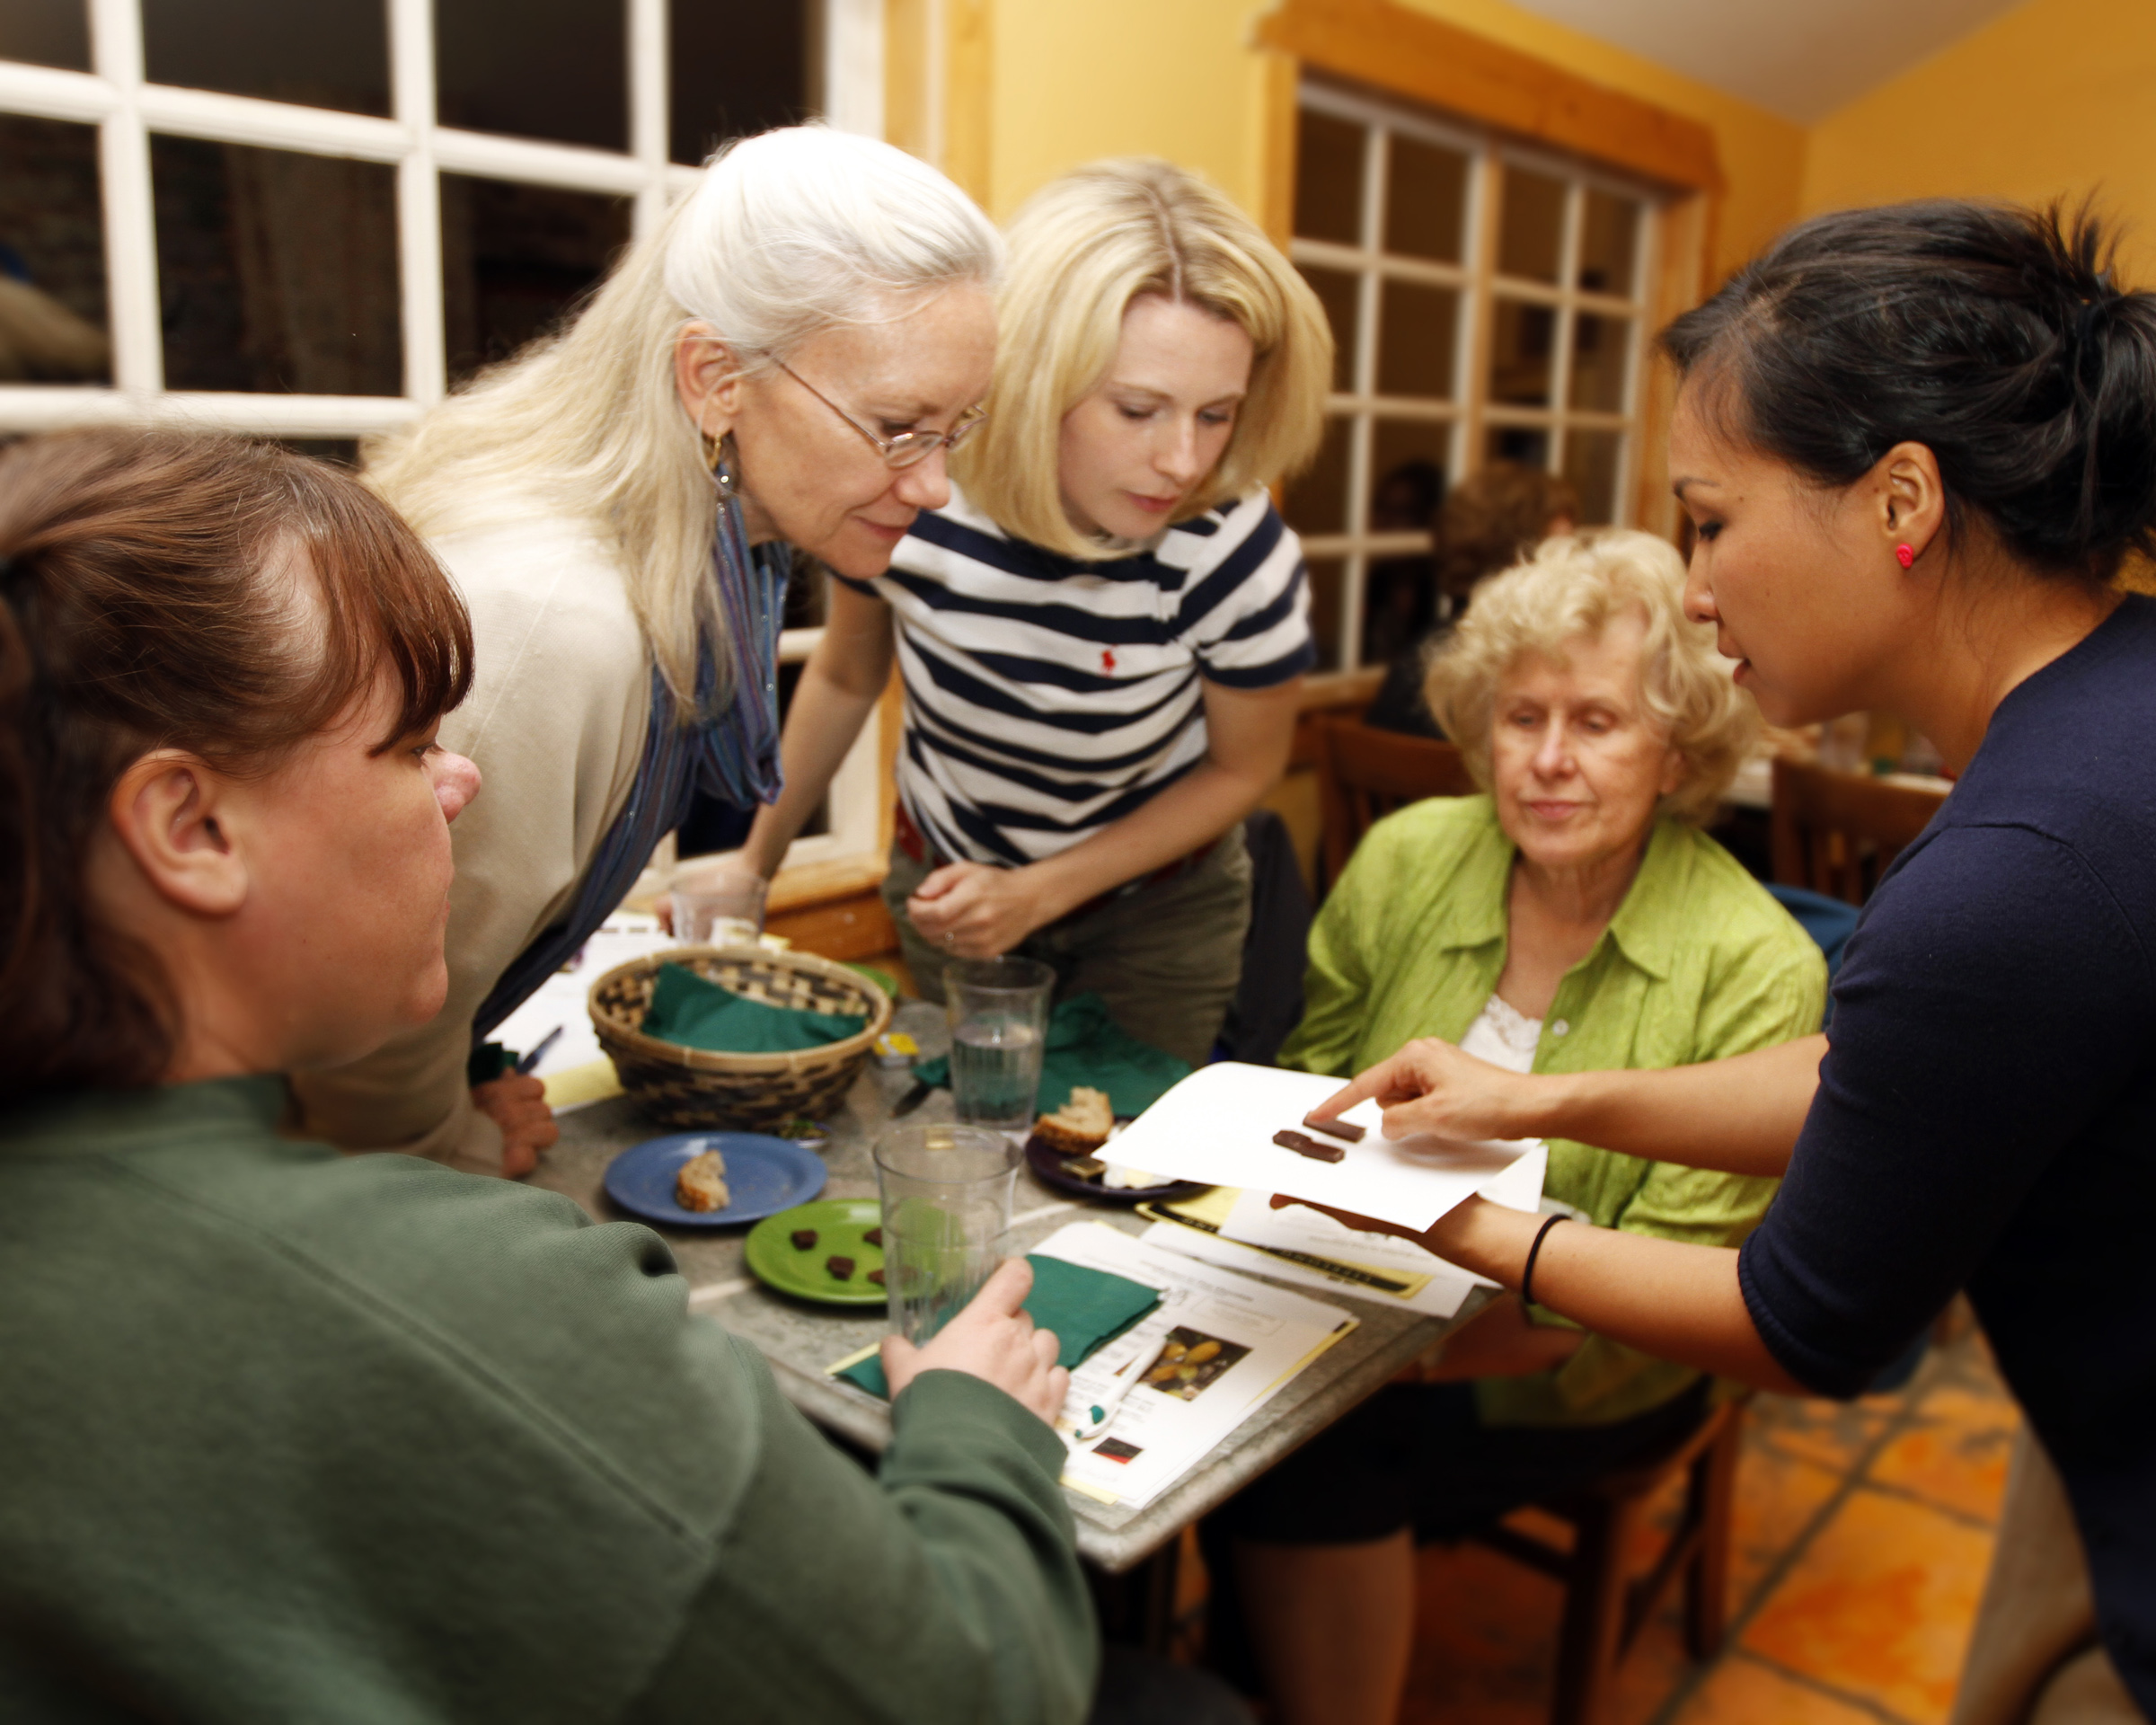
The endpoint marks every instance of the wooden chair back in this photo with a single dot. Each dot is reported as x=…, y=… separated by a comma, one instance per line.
x=1837, y=832
x=1365, y=773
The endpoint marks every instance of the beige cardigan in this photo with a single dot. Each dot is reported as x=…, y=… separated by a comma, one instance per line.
x=560, y=703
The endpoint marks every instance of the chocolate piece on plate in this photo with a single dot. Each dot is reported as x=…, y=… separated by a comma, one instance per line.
x=804, y=1238
x=876, y=1275
x=874, y=1236
x=1346, y=1129
x=1084, y=1167
x=840, y=1268
x=1304, y=1145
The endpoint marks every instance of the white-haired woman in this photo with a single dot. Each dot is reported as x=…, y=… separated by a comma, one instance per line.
x=786, y=358
x=1101, y=637
x=1574, y=917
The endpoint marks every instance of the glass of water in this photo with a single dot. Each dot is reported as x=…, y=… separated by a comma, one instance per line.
x=946, y=1193
x=999, y=1030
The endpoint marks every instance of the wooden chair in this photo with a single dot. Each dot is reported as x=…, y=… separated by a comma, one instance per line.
x=1837, y=832
x=1365, y=773
x=1605, y=1610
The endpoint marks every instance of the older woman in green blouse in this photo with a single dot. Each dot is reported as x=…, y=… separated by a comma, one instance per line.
x=1574, y=917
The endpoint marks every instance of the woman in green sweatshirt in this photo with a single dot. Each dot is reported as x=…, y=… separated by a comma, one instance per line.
x=286, y=1436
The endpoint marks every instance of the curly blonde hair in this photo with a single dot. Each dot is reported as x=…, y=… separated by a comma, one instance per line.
x=1567, y=591
x=1082, y=250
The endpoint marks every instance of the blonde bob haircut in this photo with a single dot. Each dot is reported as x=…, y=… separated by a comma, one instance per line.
x=1082, y=250
x=1564, y=594
x=785, y=234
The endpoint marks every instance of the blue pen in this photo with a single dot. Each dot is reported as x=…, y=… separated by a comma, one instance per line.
x=525, y=1066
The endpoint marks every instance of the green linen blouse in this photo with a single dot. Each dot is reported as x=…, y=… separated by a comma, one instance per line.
x=1699, y=963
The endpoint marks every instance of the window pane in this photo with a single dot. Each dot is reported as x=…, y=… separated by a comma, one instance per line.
x=47, y=32
x=1608, y=244
x=1520, y=352
x=1335, y=289
x=52, y=256
x=1399, y=591
x=339, y=451
x=514, y=259
x=1426, y=201
x=1328, y=579
x=1529, y=445
x=1318, y=501
x=1591, y=461
x=1329, y=179
x=733, y=70
x=555, y=69
x=1531, y=234
x=277, y=272
x=1601, y=348
x=324, y=53
x=1416, y=338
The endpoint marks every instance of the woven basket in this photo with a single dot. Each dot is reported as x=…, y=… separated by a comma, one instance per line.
x=749, y=1092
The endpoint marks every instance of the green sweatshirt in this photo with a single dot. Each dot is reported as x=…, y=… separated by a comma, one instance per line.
x=1699, y=963
x=285, y=1435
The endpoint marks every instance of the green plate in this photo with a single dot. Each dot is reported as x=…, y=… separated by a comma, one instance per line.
x=839, y=1223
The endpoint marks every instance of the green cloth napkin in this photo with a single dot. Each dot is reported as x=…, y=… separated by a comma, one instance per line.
x=1087, y=1046
x=695, y=1014
x=1086, y=1308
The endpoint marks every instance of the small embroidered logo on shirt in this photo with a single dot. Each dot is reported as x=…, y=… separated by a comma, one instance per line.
x=1107, y=658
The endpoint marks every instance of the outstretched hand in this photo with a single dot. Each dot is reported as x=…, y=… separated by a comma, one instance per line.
x=992, y=1340
x=1432, y=1086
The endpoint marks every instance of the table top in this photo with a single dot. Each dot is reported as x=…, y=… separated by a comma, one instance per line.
x=799, y=1338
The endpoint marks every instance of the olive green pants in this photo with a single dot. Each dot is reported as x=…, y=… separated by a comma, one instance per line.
x=1165, y=959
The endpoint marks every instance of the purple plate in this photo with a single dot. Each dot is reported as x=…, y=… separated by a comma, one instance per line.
x=1047, y=1165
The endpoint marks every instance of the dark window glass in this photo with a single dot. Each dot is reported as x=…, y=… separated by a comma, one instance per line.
x=1417, y=330
x=1600, y=348
x=1608, y=242
x=515, y=258
x=1426, y=201
x=1591, y=464
x=339, y=451
x=1520, y=353
x=52, y=254
x=1318, y=501
x=1407, y=460
x=735, y=68
x=1336, y=291
x=1328, y=178
x=1529, y=445
x=557, y=69
x=1531, y=233
x=323, y=53
x=1328, y=579
x=277, y=270
x=47, y=32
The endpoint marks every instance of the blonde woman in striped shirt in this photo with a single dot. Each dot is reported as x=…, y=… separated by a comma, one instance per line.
x=1102, y=636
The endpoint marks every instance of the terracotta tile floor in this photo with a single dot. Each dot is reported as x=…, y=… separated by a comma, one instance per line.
x=1862, y=1535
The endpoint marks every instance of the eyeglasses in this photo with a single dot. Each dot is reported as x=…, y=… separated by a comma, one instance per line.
x=909, y=448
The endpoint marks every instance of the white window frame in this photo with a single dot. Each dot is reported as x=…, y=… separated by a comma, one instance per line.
x=1469, y=412
x=115, y=97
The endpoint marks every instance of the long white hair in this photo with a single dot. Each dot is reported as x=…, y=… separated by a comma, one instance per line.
x=786, y=235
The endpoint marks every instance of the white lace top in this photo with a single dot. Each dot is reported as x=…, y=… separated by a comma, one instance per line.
x=1503, y=1036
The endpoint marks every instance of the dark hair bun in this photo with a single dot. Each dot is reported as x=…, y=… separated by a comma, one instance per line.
x=1990, y=334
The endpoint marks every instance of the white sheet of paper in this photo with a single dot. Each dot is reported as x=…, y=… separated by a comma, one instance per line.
x=1217, y=1126
x=1439, y=1297
x=564, y=999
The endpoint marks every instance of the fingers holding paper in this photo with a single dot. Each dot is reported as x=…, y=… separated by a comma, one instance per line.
x=1431, y=1086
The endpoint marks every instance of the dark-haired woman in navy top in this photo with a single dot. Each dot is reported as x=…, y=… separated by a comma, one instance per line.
x=1917, y=444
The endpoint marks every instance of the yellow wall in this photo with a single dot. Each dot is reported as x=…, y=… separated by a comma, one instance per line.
x=1070, y=83
x=2057, y=97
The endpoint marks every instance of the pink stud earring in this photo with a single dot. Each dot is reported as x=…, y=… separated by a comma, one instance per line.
x=1903, y=556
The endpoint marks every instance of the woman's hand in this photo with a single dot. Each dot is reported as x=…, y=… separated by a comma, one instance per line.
x=1431, y=1086
x=973, y=911
x=516, y=1103
x=991, y=1339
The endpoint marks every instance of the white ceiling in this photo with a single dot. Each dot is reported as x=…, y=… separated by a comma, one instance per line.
x=1799, y=59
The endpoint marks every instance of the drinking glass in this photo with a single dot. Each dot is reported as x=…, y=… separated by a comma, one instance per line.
x=999, y=1030
x=946, y=1193
x=718, y=907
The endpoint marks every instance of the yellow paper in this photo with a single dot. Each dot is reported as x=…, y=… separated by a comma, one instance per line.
x=593, y=1082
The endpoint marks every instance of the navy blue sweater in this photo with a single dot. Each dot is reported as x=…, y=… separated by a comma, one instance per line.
x=1986, y=1114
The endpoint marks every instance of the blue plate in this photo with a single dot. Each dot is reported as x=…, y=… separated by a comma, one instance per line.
x=763, y=1176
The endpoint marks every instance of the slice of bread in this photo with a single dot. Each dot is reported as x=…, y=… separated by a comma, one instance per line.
x=1080, y=1125
x=700, y=1185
